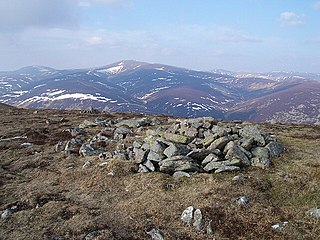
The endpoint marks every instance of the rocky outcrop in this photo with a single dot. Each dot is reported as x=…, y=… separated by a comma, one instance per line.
x=178, y=147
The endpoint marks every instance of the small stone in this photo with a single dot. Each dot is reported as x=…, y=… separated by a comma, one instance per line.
x=92, y=235
x=199, y=154
x=279, y=226
x=26, y=145
x=143, y=169
x=187, y=215
x=197, y=219
x=105, y=156
x=181, y=174
x=123, y=129
x=239, y=178
x=209, y=228
x=227, y=169
x=87, y=164
x=59, y=147
x=155, y=234
x=242, y=200
x=6, y=213
x=315, y=212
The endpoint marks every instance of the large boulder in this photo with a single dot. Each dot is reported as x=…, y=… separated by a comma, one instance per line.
x=275, y=149
x=176, y=149
x=179, y=163
x=248, y=132
x=261, y=157
x=235, y=152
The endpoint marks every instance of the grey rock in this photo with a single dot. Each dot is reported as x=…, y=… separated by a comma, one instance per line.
x=7, y=213
x=73, y=146
x=88, y=150
x=209, y=228
x=197, y=219
x=275, y=149
x=137, y=144
x=315, y=212
x=220, y=131
x=220, y=143
x=26, y=145
x=149, y=165
x=209, y=140
x=87, y=164
x=210, y=158
x=105, y=156
x=253, y=132
x=227, y=169
x=181, y=174
x=236, y=152
x=92, y=235
x=155, y=234
x=247, y=143
x=176, y=138
x=199, y=154
x=261, y=157
x=179, y=163
x=175, y=149
x=142, y=169
x=59, y=147
x=157, y=151
x=140, y=155
x=157, y=157
x=77, y=131
x=87, y=123
x=123, y=129
x=279, y=226
x=239, y=178
x=216, y=165
x=91, y=110
x=242, y=200
x=187, y=215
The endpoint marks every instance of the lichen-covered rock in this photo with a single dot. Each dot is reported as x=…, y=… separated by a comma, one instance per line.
x=227, y=169
x=235, y=152
x=179, y=163
x=253, y=132
x=210, y=158
x=197, y=219
x=220, y=143
x=175, y=149
x=175, y=138
x=140, y=155
x=275, y=149
x=155, y=234
x=187, y=215
x=199, y=154
x=261, y=157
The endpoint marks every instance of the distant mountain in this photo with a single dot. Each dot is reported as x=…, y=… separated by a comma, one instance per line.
x=132, y=86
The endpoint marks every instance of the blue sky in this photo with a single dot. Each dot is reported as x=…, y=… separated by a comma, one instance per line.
x=239, y=35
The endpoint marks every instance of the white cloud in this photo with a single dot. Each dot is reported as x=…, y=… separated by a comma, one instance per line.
x=291, y=19
x=317, y=5
x=94, y=40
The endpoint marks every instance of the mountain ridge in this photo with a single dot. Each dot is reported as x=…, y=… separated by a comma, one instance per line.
x=134, y=86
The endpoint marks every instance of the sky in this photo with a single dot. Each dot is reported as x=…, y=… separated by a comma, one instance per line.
x=236, y=35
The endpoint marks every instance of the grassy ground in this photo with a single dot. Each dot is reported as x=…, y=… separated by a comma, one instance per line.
x=58, y=199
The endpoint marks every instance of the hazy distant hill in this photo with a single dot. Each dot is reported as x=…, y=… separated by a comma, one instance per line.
x=132, y=86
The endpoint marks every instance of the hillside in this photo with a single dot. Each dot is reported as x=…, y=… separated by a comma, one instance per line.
x=49, y=191
x=139, y=87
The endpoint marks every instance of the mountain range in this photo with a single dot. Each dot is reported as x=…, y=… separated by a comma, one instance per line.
x=132, y=86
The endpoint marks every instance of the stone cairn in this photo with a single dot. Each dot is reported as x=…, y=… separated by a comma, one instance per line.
x=179, y=147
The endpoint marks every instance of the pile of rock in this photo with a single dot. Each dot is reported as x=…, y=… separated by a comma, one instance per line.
x=204, y=145
x=179, y=147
